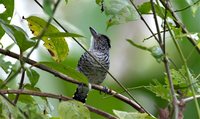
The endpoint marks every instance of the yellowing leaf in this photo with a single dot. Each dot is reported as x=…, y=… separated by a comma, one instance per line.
x=57, y=46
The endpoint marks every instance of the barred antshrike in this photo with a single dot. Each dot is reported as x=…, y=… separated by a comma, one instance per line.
x=99, y=49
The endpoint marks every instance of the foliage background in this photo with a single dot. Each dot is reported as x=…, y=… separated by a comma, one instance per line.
x=132, y=66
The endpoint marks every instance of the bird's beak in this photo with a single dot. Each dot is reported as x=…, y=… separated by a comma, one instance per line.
x=93, y=32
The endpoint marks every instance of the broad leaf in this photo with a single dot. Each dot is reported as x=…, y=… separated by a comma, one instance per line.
x=7, y=14
x=57, y=47
x=18, y=35
x=120, y=11
x=73, y=110
x=131, y=115
x=33, y=76
x=66, y=70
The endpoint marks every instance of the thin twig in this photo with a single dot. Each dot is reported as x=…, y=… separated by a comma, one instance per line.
x=156, y=22
x=142, y=18
x=59, y=97
x=151, y=36
x=169, y=77
x=20, y=85
x=68, y=79
x=185, y=8
x=120, y=84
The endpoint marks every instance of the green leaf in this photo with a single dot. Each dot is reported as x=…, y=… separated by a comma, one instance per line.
x=33, y=112
x=66, y=70
x=137, y=45
x=7, y=14
x=120, y=11
x=98, y=2
x=7, y=110
x=73, y=110
x=33, y=76
x=61, y=34
x=157, y=53
x=5, y=65
x=66, y=1
x=160, y=90
x=145, y=8
x=47, y=5
x=27, y=99
x=18, y=35
x=131, y=115
x=57, y=47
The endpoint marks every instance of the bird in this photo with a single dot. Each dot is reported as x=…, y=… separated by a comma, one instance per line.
x=95, y=73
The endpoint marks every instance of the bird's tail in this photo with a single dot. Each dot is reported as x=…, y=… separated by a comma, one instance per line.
x=81, y=93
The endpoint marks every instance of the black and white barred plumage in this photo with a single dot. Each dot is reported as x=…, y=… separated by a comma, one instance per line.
x=99, y=48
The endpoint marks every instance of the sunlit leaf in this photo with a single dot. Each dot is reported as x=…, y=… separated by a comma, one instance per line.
x=7, y=14
x=120, y=11
x=57, y=47
x=18, y=35
x=73, y=110
x=33, y=76
x=131, y=115
x=66, y=70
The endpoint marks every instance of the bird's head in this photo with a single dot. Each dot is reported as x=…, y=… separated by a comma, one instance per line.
x=99, y=41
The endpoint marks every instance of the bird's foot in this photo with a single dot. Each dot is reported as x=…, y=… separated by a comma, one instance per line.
x=105, y=90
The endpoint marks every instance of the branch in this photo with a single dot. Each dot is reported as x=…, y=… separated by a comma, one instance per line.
x=60, y=97
x=68, y=79
x=190, y=98
x=179, y=24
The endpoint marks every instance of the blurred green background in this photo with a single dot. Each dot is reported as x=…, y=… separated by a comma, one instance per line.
x=131, y=66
